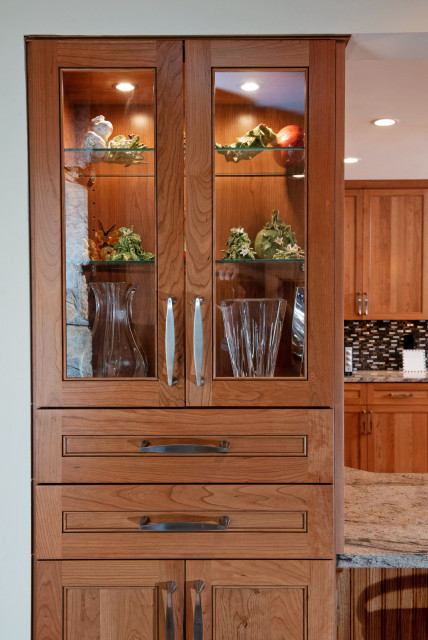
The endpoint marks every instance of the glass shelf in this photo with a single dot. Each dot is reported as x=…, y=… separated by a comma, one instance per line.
x=252, y=149
x=95, y=263
x=258, y=261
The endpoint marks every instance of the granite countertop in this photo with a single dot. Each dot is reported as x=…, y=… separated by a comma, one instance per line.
x=386, y=519
x=382, y=376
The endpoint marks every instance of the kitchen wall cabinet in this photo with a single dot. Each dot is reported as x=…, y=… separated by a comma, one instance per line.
x=184, y=398
x=392, y=435
x=386, y=252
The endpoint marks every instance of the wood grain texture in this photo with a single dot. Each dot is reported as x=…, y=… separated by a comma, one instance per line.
x=199, y=245
x=392, y=395
x=356, y=437
x=103, y=445
x=82, y=521
x=45, y=57
x=295, y=594
x=339, y=436
x=355, y=394
x=353, y=253
x=107, y=600
x=259, y=53
x=380, y=604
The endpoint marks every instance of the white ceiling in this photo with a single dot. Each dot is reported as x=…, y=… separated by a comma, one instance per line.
x=387, y=76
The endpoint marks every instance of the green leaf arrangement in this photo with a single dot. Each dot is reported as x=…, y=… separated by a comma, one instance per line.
x=239, y=246
x=290, y=252
x=275, y=235
x=129, y=248
x=249, y=145
x=132, y=150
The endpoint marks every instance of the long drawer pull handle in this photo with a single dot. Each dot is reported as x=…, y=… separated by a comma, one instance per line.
x=169, y=619
x=401, y=395
x=189, y=527
x=198, y=627
x=170, y=342
x=198, y=342
x=185, y=448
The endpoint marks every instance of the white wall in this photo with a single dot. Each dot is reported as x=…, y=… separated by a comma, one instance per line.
x=104, y=17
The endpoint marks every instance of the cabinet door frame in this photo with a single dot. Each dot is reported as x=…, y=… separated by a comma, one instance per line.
x=45, y=57
x=319, y=58
x=315, y=578
x=362, y=438
x=368, y=267
x=53, y=578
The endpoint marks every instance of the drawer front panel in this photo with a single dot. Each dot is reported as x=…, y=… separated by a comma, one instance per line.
x=179, y=521
x=355, y=393
x=189, y=445
x=402, y=393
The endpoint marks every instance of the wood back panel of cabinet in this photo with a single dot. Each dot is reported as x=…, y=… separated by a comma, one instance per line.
x=103, y=446
x=272, y=521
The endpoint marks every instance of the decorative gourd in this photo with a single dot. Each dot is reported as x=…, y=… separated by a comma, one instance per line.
x=274, y=235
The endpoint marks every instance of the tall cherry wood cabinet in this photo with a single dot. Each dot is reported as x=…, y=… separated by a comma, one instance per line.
x=187, y=469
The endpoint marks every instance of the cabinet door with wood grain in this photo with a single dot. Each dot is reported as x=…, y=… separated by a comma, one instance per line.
x=398, y=439
x=353, y=254
x=356, y=425
x=88, y=600
x=257, y=600
x=106, y=191
x=395, y=254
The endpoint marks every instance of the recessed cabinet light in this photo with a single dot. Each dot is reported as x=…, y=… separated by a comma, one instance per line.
x=125, y=86
x=351, y=160
x=298, y=175
x=384, y=122
x=250, y=86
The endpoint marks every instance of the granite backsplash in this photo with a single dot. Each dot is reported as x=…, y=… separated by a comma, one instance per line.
x=378, y=344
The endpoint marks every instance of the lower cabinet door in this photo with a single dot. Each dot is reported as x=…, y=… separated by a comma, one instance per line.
x=117, y=600
x=260, y=600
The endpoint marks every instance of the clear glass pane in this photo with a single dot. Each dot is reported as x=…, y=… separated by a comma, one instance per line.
x=109, y=222
x=260, y=223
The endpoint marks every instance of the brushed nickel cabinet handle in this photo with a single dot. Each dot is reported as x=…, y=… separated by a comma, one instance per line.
x=198, y=626
x=169, y=618
x=170, y=341
x=370, y=431
x=184, y=527
x=198, y=342
x=360, y=303
x=184, y=448
x=401, y=395
x=366, y=302
x=363, y=422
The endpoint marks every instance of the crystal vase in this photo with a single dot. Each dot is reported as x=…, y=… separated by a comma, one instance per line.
x=253, y=328
x=115, y=352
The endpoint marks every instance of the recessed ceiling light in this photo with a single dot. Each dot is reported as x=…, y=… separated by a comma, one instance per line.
x=125, y=86
x=351, y=160
x=298, y=175
x=250, y=85
x=384, y=122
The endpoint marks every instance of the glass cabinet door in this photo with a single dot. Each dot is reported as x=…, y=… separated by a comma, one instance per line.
x=118, y=217
x=262, y=313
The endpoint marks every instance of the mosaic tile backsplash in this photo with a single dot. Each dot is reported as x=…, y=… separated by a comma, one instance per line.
x=378, y=344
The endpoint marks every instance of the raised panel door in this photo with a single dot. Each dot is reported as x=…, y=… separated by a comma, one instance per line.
x=84, y=600
x=255, y=599
x=395, y=253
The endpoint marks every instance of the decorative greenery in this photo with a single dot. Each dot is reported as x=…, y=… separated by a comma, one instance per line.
x=239, y=246
x=129, y=248
x=132, y=150
x=291, y=252
x=274, y=235
x=249, y=145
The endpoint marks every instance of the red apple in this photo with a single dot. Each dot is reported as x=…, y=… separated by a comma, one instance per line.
x=290, y=136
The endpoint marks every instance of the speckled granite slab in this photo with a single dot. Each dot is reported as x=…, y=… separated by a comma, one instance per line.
x=382, y=376
x=385, y=514
x=390, y=561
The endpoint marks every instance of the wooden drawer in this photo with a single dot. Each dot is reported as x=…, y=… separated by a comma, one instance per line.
x=401, y=393
x=355, y=393
x=183, y=446
x=183, y=521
